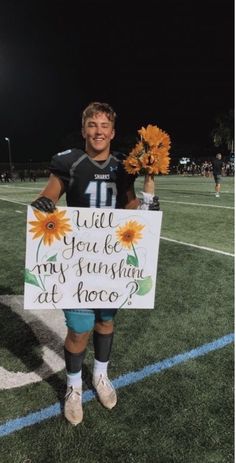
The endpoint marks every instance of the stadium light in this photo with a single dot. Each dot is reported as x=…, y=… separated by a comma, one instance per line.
x=9, y=152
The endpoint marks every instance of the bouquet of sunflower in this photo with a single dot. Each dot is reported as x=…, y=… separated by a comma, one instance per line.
x=150, y=156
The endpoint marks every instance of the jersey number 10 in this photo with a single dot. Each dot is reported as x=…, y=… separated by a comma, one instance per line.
x=102, y=194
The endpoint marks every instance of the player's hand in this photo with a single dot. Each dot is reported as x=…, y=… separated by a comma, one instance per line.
x=154, y=205
x=44, y=204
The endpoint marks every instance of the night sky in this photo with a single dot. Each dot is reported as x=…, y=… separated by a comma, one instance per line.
x=167, y=63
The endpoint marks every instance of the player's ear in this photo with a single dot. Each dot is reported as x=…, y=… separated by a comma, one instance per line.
x=83, y=132
x=113, y=134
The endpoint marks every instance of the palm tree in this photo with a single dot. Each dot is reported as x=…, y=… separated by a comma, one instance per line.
x=223, y=132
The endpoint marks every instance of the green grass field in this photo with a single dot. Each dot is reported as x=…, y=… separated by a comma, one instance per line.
x=183, y=413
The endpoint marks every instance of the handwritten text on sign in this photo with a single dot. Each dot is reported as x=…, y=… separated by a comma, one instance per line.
x=91, y=258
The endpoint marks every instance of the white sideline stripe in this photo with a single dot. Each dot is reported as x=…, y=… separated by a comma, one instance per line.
x=195, y=204
x=162, y=237
x=11, y=201
x=198, y=247
x=21, y=187
x=172, y=188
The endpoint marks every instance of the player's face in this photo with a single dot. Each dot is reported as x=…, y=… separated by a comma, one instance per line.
x=98, y=132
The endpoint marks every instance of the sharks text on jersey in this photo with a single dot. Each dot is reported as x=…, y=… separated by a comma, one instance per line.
x=101, y=176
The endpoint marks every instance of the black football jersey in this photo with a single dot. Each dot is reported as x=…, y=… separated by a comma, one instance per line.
x=90, y=183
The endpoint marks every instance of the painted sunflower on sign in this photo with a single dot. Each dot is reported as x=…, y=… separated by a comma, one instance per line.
x=151, y=154
x=49, y=226
x=128, y=235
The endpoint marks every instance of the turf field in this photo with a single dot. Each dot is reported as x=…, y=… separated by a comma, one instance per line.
x=172, y=366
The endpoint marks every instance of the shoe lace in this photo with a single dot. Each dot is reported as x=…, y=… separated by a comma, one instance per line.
x=106, y=383
x=72, y=394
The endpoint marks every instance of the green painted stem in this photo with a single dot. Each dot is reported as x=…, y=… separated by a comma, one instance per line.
x=37, y=257
x=136, y=257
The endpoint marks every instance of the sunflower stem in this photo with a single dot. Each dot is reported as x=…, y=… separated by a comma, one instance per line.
x=135, y=254
x=37, y=253
x=41, y=281
x=37, y=258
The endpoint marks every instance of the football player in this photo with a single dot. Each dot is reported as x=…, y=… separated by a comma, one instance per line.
x=93, y=177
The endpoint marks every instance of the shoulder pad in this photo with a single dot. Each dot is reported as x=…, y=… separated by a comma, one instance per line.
x=64, y=152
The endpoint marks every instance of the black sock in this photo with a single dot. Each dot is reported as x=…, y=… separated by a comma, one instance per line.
x=102, y=346
x=73, y=361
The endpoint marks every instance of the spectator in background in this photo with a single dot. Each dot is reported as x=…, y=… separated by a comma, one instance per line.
x=217, y=164
x=22, y=176
x=7, y=177
x=32, y=176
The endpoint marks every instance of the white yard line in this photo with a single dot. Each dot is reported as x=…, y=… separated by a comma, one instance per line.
x=11, y=201
x=173, y=188
x=195, y=204
x=21, y=187
x=217, y=251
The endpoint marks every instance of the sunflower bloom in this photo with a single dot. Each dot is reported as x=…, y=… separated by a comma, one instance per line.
x=49, y=226
x=130, y=233
x=151, y=135
x=151, y=154
x=132, y=165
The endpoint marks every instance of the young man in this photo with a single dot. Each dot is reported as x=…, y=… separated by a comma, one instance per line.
x=217, y=172
x=91, y=178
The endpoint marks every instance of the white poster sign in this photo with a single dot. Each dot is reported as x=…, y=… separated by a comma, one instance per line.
x=91, y=258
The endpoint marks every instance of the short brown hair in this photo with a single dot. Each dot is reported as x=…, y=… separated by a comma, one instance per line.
x=95, y=108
